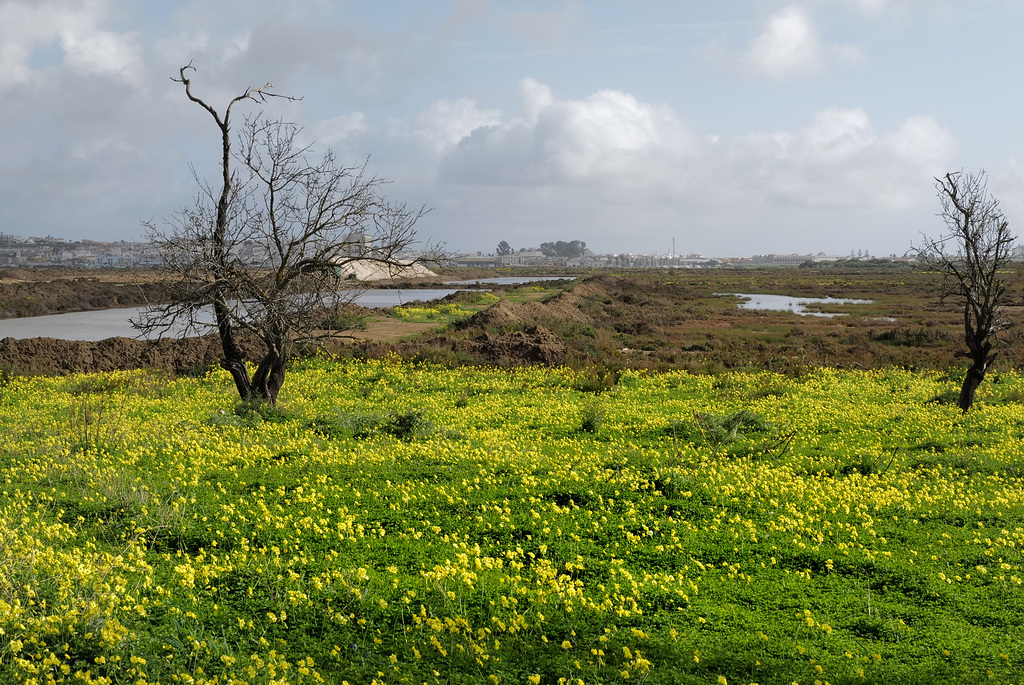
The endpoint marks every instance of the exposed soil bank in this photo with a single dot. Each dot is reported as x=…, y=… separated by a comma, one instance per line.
x=48, y=355
x=25, y=292
x=647, y=320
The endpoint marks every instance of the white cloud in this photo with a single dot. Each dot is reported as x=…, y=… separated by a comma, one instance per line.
x=23, y=28
x=96, y=128
x=922, y=142
x=26, y=27
x=612, y=160
x=445, y=123
x=789, y=46
x=94, y=51
x=607, y=137
x=338, y=129
x=841, y=161
x=609, y=134
x=535, y=98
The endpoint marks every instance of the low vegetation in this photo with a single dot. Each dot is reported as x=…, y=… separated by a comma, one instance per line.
x=678, y=320
x=389, y=522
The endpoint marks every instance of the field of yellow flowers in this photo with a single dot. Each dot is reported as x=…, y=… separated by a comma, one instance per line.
x=397, y=523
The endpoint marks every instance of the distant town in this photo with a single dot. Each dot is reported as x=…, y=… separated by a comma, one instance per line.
x=17, y=251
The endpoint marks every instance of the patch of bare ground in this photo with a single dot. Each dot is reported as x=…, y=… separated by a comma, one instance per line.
x=386, y=330
x=47, y=355
x=653, y=320
x=30, y=292
x=674, y=320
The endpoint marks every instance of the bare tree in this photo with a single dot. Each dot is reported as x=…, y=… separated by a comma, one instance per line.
x=971, y=254
x=266, y=250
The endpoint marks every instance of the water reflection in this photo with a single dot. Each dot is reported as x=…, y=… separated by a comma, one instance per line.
x=789, y=303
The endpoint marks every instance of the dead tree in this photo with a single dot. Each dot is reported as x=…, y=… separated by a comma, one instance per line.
x=265, y=250
x=970, y=257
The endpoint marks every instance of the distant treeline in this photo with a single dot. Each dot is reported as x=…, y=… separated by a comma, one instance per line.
x=873, y=264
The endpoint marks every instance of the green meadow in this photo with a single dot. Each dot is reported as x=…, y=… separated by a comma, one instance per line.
x=390, y=522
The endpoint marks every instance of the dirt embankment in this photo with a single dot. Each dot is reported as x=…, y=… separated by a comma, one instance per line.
x=47, y=355
x=508, y=333
x=31, y=293
x=651, y=320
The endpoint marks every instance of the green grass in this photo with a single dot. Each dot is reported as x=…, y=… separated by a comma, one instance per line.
x=444, y=313
x=404, y=523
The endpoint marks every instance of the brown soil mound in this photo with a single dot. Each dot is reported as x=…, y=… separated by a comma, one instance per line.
x=562, y=307
x=535, y=345
x=501, y=313
x=48, y=355
x=20, y=298
x=505, y=334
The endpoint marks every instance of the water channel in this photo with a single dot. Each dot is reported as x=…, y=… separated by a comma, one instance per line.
x=109, y=323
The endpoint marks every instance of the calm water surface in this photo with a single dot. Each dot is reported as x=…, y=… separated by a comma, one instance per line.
x=108, y=323
x=789, y=303
x=511, y=280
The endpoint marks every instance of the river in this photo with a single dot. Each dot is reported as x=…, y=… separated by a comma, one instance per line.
x=109, y=323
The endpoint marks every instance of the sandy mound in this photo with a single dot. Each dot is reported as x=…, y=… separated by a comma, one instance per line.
x=364, y=270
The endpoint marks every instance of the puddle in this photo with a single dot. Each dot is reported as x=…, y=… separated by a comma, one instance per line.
x=789, y=303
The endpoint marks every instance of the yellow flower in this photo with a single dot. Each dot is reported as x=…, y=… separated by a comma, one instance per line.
x=566, y=644
x=534, y=679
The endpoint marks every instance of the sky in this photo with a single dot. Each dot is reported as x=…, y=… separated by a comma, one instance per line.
x=720, y=128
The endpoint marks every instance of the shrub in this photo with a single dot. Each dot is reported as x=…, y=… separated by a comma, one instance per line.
x=716, y=430
x=596, y=379
x=257, y=409
x=405, y=425
x=593, y=418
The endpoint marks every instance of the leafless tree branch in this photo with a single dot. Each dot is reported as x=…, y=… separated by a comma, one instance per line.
x=264, y=251
x=970, y=256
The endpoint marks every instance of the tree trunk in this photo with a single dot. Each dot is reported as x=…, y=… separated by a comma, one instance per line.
x=975, y=375
x=233, y=361
x=269, y=376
